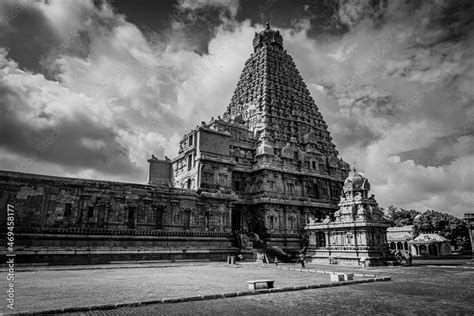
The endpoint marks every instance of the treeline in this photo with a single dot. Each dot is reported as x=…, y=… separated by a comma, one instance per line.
x=431, y=221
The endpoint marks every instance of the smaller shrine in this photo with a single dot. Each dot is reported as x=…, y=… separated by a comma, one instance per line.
x=358, y=233
x=430, y=245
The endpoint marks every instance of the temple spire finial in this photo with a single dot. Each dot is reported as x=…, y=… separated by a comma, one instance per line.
x=267, y=27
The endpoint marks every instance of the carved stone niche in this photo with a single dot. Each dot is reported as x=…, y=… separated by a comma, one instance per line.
x=288, y=151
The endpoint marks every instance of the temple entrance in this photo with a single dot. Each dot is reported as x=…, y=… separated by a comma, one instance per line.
x=255, y=226
x=236, y=218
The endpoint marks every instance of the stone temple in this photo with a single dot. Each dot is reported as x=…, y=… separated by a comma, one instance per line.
x=358, y=233
x=270, y=156
x=266, y=166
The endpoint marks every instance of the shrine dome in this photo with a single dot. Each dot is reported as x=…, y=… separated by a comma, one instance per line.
x=356, y=182
x=268, y=37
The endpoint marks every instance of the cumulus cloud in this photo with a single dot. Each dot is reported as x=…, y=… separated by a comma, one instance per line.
x=230, y=6
x=46, y=121
x=87, y=117
x=109, y=95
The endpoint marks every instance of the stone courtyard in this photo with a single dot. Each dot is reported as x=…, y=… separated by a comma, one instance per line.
x=51, y=288
x=414, y=291
x=424, y=289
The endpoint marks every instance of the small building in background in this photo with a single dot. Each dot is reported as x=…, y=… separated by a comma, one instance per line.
x=430, y=245
x=399, y=237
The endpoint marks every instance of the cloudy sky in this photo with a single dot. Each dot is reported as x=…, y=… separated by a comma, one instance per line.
x=91, y=89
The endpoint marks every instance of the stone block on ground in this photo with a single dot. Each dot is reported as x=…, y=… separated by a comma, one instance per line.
x=337, y=277
x=348, y=276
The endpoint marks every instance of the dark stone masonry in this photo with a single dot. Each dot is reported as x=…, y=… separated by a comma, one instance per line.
x=106, y=221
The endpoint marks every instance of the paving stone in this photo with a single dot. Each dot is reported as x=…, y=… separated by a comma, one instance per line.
x=426, y=291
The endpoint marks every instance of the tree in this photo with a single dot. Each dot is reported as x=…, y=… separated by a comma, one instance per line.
x=400, y=217
x=443, y=224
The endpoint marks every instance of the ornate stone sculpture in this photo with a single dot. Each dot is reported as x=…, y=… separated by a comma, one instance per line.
x=358, y=231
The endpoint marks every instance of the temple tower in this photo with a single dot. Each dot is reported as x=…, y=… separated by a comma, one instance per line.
x=272, y=100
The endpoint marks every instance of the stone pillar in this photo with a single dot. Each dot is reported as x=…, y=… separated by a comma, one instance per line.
x=313, y=239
